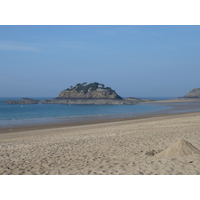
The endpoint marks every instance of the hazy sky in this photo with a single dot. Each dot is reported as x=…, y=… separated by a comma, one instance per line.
x=138, y=61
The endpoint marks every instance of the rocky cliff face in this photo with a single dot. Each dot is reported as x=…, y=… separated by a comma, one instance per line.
x=104, y=94
x=195, y=93
x=90, y=91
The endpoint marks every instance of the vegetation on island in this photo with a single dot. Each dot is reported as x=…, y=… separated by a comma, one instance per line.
x=84, y=87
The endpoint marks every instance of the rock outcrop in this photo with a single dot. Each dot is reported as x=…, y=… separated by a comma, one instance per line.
x=96, y=101
x=195, y=93
x=23, y=101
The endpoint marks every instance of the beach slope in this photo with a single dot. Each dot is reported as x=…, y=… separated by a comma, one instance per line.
x=124, y=147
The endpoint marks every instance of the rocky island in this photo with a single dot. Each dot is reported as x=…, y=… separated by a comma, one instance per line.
x=89, y=91
x=83, y=93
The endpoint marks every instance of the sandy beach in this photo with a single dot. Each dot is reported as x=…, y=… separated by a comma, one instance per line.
x=129, y=147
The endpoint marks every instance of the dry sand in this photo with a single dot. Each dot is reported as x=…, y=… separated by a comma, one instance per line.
x=126, y=147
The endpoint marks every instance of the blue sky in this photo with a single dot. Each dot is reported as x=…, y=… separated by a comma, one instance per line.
x=138, y=61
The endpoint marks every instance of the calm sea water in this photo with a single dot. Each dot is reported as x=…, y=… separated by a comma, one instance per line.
x=11, y=115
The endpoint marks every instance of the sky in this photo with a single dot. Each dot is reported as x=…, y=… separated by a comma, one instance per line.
x=136, y=61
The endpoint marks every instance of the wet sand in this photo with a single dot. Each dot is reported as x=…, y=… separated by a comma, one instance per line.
x=120, y=147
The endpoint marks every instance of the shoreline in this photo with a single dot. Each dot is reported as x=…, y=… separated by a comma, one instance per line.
x=176, y=109
x=23, y=128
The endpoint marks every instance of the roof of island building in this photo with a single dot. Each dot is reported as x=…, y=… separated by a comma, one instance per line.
x=101, y=85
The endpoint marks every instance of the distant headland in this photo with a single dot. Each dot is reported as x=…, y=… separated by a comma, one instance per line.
x=83, y=93
x=195, y=93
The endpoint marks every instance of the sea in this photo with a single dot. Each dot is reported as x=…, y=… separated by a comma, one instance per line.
x=37, y=114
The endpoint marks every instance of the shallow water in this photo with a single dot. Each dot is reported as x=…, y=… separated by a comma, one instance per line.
x=40, y=114
x=11, y=115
